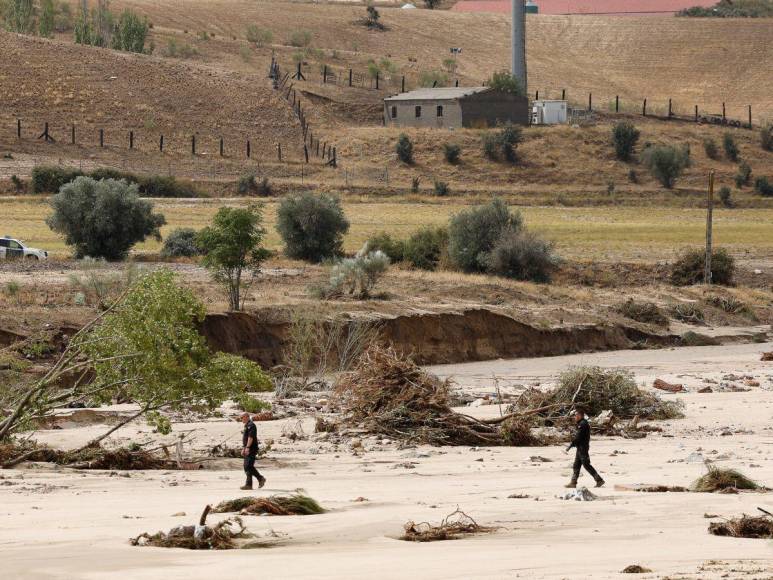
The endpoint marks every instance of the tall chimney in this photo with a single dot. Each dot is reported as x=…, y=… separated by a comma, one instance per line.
x=518, y=40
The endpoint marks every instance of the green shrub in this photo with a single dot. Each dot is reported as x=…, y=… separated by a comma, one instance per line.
x=710, y=147
x=18, y=185
x=687, y=312
x=624, y=138
x=744, y=175
x=248, y=185
x=356, y=276
x=404, y=149
x=725, y=196
x=766, y=137
x=506, y=82
x=426, y=248
x=250, y=404
x=452, y=152
x=730, y=147
x=691, y=338
x=763, y=187
x=646, y=312
x=472, y=233
x=688, y=269
x=183, y=50
x=300, y=38
x=103, y=219
x=165, y=186
x=372, y=18
x=130, y=33
x=49, y=178
x=521, y=255
x=181, y=242
x=633, y=177
x=441, y=188
x=312, y=226
x=666, y=162
x=392, y=247
x=259, y=36
x=433, y=78
x=46, y=18
x=501, y=145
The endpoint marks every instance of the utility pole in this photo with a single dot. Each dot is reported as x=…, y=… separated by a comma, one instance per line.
x=709, y=218
x=518, y=42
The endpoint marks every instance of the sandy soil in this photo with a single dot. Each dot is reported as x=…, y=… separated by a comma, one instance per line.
x=61, y=523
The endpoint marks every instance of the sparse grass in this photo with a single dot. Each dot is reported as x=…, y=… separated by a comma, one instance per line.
x=630, y=233
x=719, y=478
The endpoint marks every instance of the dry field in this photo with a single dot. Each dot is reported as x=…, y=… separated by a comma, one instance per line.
x=604, y=234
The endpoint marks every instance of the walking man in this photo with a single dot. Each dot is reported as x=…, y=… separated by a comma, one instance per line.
x=250, y=452
x=581, y=442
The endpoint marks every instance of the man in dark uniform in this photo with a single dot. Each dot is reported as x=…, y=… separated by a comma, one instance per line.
x=250, y=452
x=581, y=442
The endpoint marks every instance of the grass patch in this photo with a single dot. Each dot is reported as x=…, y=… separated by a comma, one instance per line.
x=720, y=478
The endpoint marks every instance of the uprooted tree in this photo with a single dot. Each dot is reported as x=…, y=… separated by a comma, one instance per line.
x=145, y=348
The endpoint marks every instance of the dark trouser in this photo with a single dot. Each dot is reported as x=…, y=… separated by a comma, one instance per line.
x=249, y=468
x=582, y=459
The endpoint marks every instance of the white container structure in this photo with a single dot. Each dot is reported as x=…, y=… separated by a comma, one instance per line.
x=546, y=112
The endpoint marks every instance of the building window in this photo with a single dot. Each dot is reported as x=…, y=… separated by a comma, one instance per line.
x=440, y=110
x=394, y=112
x=418, y=111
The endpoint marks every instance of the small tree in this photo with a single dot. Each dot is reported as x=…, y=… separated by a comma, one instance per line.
x=312, y=226
x=744, y=175
x=506, y=82
x=624, y=138
x=404, y=149
x=357, y=276
x=46, y=20
x=521, y=255
x=725, y=196
x=431, y=4
x=710, y=147
x=502, y=145
x=233, y=248
x=147, y=349
x=689, y=267
x=130, y=33
x=181, y=243
x=392, y=247
x=452, y=152
x=372, y=18
x=20, y=16
x=426, y=248
x=730, y=146
x=259, y=36
x=473, y=233
x=766, y=137
x=763, y=186
x=666, y=163
x=103, y=219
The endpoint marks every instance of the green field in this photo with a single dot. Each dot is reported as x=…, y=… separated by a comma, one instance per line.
x=601, y=233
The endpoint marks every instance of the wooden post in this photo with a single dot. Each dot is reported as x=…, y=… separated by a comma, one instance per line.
x=536, y=95
x=18, y=128
x=402, y=85
x=644, y=108
x=248, y=149
x=317, y=147
x=334, y=161
x=324, y=75
x=617, y=103
x=457, y=82
x=324, y=148
x=696, y=113
x=306, y=152
x=723, y=111
x=279, y=151
x=193, y=144
x=161, y=144
x=590, y=101
x=669, y=109
x=350, y=77
x=72, y=134
x=131, y=139
x=222, y=148
x=709, y=217
x=101, y=137
x=750, y=116
x=563, y=94
x=376, y=80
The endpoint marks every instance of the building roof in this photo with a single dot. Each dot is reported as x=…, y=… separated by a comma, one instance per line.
x=611, y=7
x=438, y=94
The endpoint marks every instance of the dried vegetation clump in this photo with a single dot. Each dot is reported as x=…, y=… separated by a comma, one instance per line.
x=389, y=394
x=455, y=525
x=645, y=312
x=744, y=527
x=719, y=479
x=93, y=457
x=297, y=504
x=222, y=536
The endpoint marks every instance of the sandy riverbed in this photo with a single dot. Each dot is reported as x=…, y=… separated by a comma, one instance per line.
x=61, y=523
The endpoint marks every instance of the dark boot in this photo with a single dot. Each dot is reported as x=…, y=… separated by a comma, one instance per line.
x=599, y=481
x=261, y=481
x=572, y=484
x=246, y=487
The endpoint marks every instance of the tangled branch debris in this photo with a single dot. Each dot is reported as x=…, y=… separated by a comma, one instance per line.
x=718, y=479
x=767, y=356
x=296, y=504
x=94, y=457
x=597, y=390
x=390, y=395
x=221, y=536
x=744, y=527
x=452, y=527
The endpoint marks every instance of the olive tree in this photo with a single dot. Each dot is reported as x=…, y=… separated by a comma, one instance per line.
x=312, y=226
x=232, y=246
x=146, y=348
x=103, y=219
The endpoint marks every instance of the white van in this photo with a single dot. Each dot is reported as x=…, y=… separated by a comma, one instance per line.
x=11, y=248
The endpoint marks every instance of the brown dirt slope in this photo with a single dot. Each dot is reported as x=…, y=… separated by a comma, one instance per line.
x=63, y=83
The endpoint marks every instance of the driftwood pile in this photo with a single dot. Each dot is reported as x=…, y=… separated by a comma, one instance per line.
x=453, y=526
x=222, y=536
x=93, y=457
x=745, y=526
x=388, y=394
